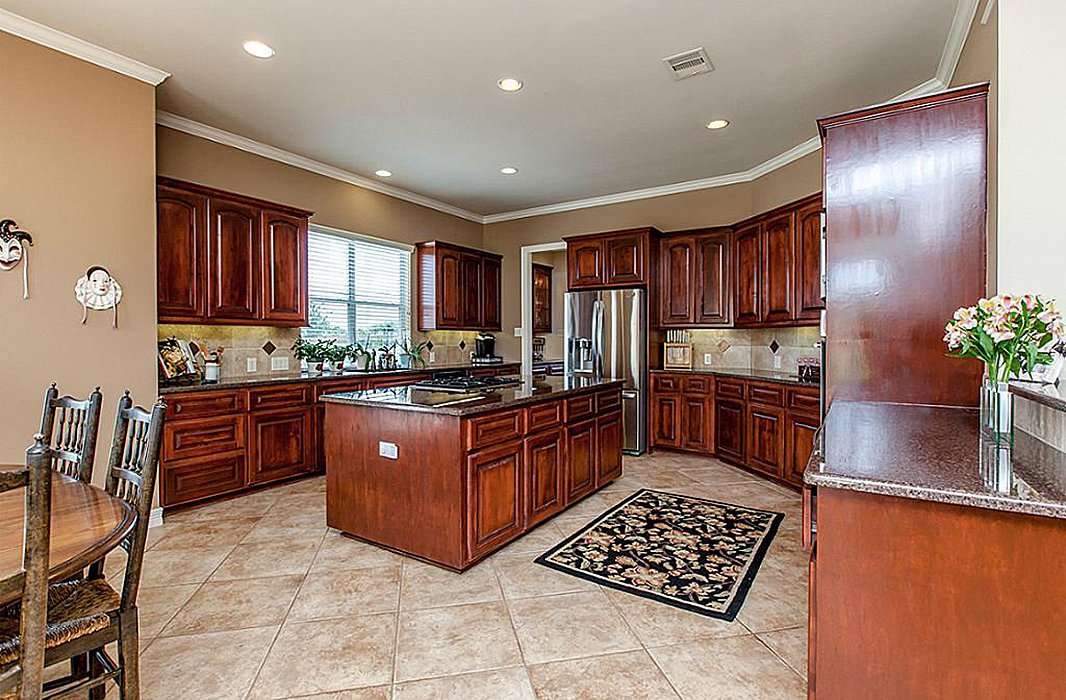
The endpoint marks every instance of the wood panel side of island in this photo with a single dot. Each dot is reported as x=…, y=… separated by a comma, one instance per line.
x=413, y=503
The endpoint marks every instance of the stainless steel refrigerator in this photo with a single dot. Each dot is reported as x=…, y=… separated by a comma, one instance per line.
x=607, y=337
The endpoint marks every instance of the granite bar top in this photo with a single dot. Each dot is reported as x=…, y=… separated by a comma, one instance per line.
x=1052, y=395
x=292, y=378
x=761, y=375
x=531, y=390
x=935, y=453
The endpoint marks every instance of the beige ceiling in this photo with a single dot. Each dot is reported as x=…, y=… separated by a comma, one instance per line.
x=409, y=85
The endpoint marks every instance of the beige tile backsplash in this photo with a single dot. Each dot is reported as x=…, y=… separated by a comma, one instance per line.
x=737, y=348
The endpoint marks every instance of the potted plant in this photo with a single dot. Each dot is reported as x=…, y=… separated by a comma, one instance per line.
x=1012, y=335
x=317, y=354
x=415, y=354
x=358, y=355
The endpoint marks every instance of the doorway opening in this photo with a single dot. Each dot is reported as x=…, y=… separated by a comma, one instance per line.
x=553, y=255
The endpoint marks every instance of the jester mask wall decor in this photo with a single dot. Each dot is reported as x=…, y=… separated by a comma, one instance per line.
x=99, y=291
x=13, y=251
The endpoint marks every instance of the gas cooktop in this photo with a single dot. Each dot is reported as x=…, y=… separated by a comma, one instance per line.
x=465, y=384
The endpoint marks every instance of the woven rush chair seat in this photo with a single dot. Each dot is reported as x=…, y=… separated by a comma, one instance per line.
x=75, y=609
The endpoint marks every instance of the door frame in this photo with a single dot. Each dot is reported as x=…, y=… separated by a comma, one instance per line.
x=525, y=330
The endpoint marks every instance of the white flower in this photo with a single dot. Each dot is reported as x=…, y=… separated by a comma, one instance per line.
x=998, y=328
x=966, y=317
x=1050, y=314
x=1058, y=329
x=986, y=305
x=953, y=336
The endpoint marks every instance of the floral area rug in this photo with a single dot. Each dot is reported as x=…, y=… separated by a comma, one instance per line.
x=692, y=553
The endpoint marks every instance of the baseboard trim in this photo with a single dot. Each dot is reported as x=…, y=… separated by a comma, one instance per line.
x=155, y=517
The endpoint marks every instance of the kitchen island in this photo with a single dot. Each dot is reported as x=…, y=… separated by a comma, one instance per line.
x=450, y=478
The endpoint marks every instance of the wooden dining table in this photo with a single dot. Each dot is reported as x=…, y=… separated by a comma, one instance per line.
x=87, y=523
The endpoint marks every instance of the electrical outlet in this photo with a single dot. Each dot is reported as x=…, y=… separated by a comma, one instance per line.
x=279, y=364
x=518, y=331
x=706, y=358
x=388, y=450
x=253, y=365
x=777, y=362
x=432, y=356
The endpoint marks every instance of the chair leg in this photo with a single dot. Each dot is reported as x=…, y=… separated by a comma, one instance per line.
x=79, y=666
x=129, y=657
x=95, y=669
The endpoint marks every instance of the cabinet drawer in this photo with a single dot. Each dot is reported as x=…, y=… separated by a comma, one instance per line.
x=337, y=386
x=497, y=427
x=729, y=388
x=803, y=401
x=579, y=407
x=196, y=479
x=283, y=396
x=665, y=382
x=204, y=405
x=766, y=394
x=608, y=401
x=544, y=415
x=696, y=385
x=204, y=436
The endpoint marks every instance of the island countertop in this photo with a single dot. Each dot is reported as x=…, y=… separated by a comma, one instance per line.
x=531, y=390
x=936, y=454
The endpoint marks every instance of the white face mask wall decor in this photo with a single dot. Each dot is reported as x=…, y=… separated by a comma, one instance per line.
x=99, y=291
x=13, y=251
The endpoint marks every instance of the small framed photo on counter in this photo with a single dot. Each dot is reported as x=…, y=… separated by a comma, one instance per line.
x=677, y=356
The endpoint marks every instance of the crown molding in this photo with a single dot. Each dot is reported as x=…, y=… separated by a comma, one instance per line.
x=226, y=138
x=965, y=11
x=79, y=48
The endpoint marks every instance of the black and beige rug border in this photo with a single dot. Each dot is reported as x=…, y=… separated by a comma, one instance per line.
x=693, y=553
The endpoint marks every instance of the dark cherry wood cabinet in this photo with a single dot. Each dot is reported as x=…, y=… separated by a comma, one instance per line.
x=729, y=433
x=777, y=268
x=226, y=258
x=714, y=289
x=695, y=289
x=695, y=424
x=284, y=270
x=280, y=444
x=581, y=459
x=458, y=288
x=494, y=496
x=809, y=303
x=181, y=225
x=542, y=298
x=681, y=409
x=677, y=278
x=746, y=271
x=608, y=447
x=665, y=419
x=800, y=431
x=545, y=465
x=614, y=259
x=190, y=480
x=765, y=438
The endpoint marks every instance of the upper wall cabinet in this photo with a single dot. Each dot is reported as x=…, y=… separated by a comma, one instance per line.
x=542, y=298
x=616, y=259
x=458, y=288
x=226, y=258
x=694, y=279
x=746, y=272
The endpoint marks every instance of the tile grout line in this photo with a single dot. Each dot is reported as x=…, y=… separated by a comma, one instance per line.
x=396, y=631
x=780, y=658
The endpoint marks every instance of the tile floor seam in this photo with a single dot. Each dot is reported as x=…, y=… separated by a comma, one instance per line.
x=773, y=651
x=778, y=657
x=514, y=627
x=284, y=619
x=396, y=632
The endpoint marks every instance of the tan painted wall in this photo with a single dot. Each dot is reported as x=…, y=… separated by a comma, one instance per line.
x=712, y=207
x=977, y=64
x=78, y=145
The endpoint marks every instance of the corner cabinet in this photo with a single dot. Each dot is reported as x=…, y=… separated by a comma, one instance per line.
x=614, y=259
x=458, y=288
x=226, y=258
x=695, y=280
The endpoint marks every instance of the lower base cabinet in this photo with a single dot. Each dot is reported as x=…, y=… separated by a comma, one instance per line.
x=581, y=459
x=766, y=439
x=545, y=465
x=729, y=433
x=494, y=497
x=800, y=432
x=280, y=444
x=608, y=448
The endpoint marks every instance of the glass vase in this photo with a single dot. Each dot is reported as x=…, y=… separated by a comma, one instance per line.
x=997, y=412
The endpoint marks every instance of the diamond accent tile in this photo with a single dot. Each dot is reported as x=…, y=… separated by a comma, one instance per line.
x=722, y=346
x=774, y=346
x=462, y=345
x=429, y=345
x=269, y=347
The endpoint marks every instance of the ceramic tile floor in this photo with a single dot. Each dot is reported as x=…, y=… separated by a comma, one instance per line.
x=256, y=598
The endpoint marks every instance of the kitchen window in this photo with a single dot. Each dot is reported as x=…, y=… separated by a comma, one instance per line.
x=358, y=288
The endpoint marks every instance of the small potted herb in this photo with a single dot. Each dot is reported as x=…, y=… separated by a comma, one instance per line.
x=318, y=354
x=358, y=354
x=415, y=353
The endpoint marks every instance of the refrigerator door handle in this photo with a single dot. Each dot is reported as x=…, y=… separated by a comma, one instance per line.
x=597, y=338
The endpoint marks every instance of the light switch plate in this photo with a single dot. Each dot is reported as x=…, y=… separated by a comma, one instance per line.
x=432, y=356
x=253, y=365
x=388, y=450
x=518, y=331
x=706, y=358
x=279, y=364
x=777, y=362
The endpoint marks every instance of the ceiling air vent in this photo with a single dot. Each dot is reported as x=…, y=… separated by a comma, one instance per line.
x=689, y=63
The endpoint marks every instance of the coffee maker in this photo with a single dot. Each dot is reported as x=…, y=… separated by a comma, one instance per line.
x=485, y=350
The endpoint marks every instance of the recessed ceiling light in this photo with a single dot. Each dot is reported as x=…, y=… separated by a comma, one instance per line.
x=383, y=173
x=508, y=170
x=258, y=49
x=509, y=84
x=717, y=124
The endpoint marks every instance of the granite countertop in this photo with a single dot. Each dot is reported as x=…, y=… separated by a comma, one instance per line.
x=531, y=390
x=762, y=375
x=1053, y=395
x=293, y=378
x=935, y=453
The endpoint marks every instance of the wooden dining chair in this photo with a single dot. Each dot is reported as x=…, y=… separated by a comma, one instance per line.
x=85, y=615
x=22, y=655
x=70, y=426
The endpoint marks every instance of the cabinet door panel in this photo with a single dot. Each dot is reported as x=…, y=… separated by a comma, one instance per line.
x=799, y=443
x=625, y=259
x=494, y=497
x=204, y=477
x=542, y=298
x=714, y=293
x=729, y=436
x=777, y=285
x=676, y=277
x=471, y=289
x=746, y=273
x=665, y=417
x=545, y=470
x=490, y=294
x=766, y=439
x=584, y=263
x=608, y=448
x=695, y=423
x=809, y=262
x=580, y=459
x=284, y=268
x=181, y=242
x=280, y=444
x=233, y=261
x=449, y=289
